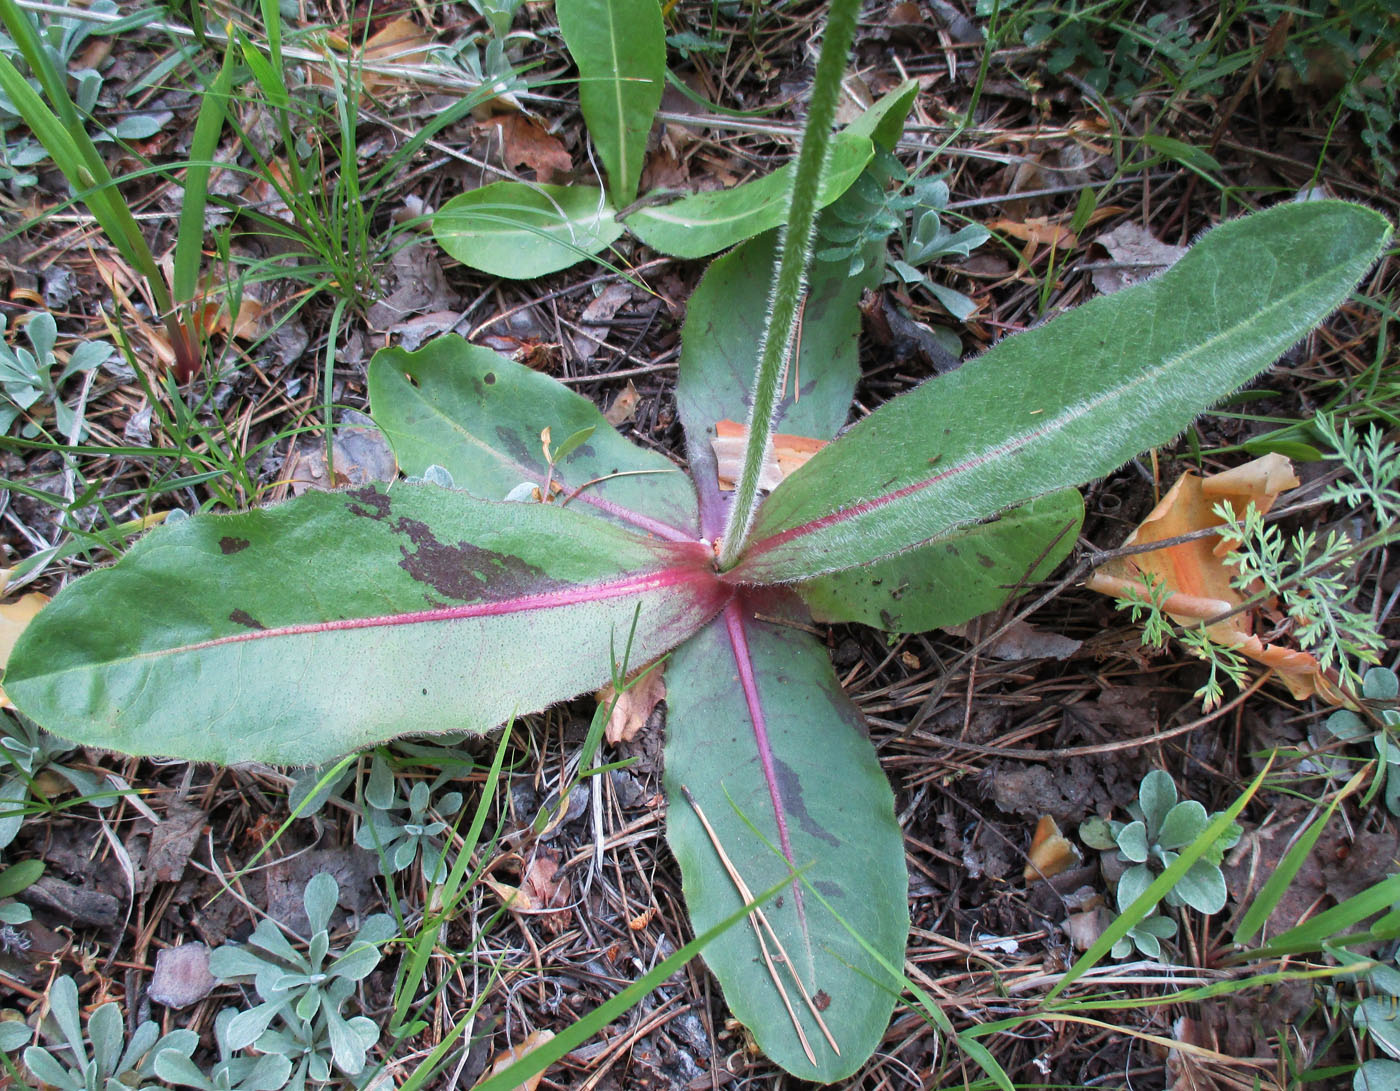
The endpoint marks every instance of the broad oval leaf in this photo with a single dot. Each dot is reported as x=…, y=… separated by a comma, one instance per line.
x=479, y=416
x=1070, y=400
x=338, y=620
x=839, y=812
x=705, y=223
x=962, y=575
x=510, y=229
x=619, y=47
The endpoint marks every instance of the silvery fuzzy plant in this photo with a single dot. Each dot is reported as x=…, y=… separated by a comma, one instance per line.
x=336, y=621
x=102, y=1058
x=303, y=992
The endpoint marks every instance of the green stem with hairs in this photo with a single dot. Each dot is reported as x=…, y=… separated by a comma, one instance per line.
x=790, y=271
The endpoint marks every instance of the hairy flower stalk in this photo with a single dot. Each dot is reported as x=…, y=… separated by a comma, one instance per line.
x=790, y=275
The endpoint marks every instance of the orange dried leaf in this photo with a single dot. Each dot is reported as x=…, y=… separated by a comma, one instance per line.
x=14, y=618
x=786, y=454
x=1037, y=230
x=1195, y=574
x=503, y=1060
x=1051, y=852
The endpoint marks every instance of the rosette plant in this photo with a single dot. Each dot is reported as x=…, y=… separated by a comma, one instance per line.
x=335, y=621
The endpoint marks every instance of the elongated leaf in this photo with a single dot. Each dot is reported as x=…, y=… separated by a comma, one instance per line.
x=620, y=49
x=338, y=620
x=839, y=814
x=1068, y=401
x=723, y=323
x=509, y=229
x=705, y=223
x=962, y=575
x=479, y=416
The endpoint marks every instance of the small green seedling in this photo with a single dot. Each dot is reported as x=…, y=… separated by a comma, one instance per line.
x=102, y=1059
x=337, y=621
x=1380, y=686
x=232, y=1071
x=1147, y=845
x=34, y=377
x=304, y=992
x=26, y=750
x=403, y=830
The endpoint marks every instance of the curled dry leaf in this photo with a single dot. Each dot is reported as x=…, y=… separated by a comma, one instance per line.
x=400, y=42
x=1195, y=573
x=1051, y=852
x=525, y=143
x=503, y=1060
x=14, y=617
x=542, y=894
x=786, y=454
x=635, y=704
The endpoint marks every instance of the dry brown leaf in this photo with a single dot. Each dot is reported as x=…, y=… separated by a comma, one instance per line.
x=503, y=1060
x=401, y=41
x=525, y=143
x=1037, y=230
x=14, y=617
x=1021, y=640
x=786, y=454
x=1051, y=852
x=634, y=705
x=1137, y=254
x=624, y=406
x=542, y=894
x=1194, y=573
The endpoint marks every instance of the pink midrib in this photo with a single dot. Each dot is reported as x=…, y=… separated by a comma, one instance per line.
x=865, y=507
x=676, y=577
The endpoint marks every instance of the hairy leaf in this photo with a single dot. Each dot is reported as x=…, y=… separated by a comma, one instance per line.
x=1070, y=400
x=510, y=229
x=620, y=49
x=704, y=223
x=479, y=416
x=338, y=620
x=723, y=322
x=962, y=575
x=839, y=814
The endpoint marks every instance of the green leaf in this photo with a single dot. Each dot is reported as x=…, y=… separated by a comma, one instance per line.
x=1156, y=796
x=1132, y=842
x=479, y=416
x=839, y=814
x=1097, y=834
x=719, y=344
x=1377, y=1075
x=18, y=876
x=338, y=620
x=510, y=229
x=1131, y=885
x=704, y=223
x=1202, y=888
x=1067, y=401
x=620, y=49
x=1182, y=825
x=967, y=573
x=884, y=121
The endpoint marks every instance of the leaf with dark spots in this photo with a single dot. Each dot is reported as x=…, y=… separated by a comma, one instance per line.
x=229, y=544
x=368, y=502
x=839, y=815
x=956, y=578
x=468, y=573
x=437, y=407
x=323, y=588
x=791, y=789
